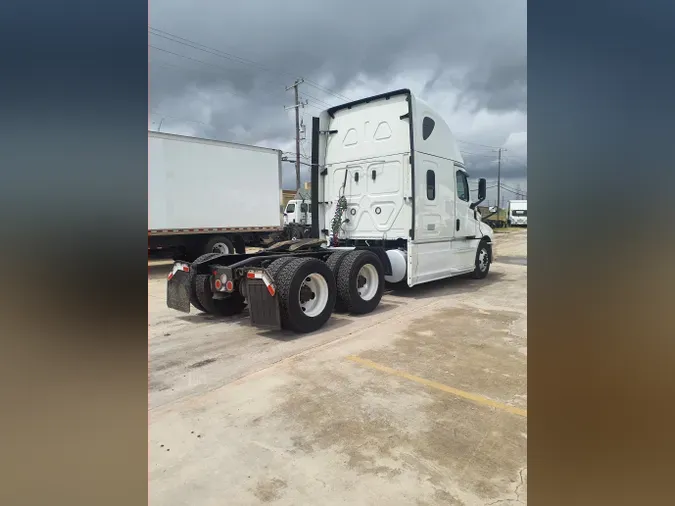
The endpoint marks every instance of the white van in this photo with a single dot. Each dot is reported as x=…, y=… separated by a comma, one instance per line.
x=517, y=213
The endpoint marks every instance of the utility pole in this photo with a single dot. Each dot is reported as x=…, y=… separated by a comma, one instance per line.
x=499, y=178
x=297, y=106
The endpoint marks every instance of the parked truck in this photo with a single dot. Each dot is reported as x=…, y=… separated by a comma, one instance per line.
x=207, y=196
x=298, y=218
x=517, y=213
x=390, y=203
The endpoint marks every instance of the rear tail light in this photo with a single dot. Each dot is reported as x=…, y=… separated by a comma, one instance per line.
x=229, y=286
x=217, y=283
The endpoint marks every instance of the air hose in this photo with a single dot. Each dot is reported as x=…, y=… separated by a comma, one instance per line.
x=340, y=208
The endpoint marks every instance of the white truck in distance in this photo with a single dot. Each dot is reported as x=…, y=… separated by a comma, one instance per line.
x=298, y=211
x=517, y=213
x=211, y=196
x=390, y=202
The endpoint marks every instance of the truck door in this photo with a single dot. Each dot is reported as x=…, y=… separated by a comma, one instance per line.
x=465, y=223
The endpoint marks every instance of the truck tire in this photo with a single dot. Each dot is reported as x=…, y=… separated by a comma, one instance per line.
x=483, y=261
x=295, y=232
x=360, y=281
x=219, y=244
x=307, y=292
x=334, y=262
x=232, y=305
x=275, y=266
x=193, y=282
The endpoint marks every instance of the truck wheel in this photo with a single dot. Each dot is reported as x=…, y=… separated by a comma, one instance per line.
x=219, y=244
x=234, y=304
x=192, y=280
x=295, y=232
x=334, y=262
x=483, y=260
x=360, y=281
x=306, y=291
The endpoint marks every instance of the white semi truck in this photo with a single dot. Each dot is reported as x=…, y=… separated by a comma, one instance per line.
x=517, y=213
x=207, y=196
x=390, y=203
x=298, y=218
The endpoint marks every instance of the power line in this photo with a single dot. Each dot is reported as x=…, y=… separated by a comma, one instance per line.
x=326, y=90
x=477, y=144
x=206, y=63
x=178, y=118
x=316, y=99
x=515, y=192
x=477, y=154
x=238, y=59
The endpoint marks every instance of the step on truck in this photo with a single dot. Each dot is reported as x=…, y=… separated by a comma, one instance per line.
x=390, y=203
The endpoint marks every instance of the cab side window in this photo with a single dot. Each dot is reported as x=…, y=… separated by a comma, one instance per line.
x=462, y=186
x=431, y=185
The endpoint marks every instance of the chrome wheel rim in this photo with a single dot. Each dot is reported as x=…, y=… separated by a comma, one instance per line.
x=483, y=260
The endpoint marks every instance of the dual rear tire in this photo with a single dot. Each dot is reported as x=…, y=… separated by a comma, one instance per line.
x=306, y=290
x=201, y=296
x=309, y=289
x=359, y=277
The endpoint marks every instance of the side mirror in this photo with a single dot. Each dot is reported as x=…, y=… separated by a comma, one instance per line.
x=482, y=192
x=482, y=189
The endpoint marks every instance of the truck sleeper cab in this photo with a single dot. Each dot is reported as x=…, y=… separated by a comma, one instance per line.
x=390, y=203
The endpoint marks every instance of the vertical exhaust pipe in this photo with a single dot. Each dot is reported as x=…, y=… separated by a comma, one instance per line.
x=314, y=177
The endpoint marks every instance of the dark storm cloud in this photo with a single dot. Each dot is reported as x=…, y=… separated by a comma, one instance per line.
x=474, y=50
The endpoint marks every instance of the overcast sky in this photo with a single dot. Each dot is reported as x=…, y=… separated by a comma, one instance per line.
x=467, y=59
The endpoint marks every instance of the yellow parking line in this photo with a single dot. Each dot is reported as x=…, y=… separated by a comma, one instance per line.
x=479, y=399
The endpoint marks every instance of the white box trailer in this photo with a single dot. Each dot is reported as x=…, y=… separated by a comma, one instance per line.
x=211, y=196
x=390, y=203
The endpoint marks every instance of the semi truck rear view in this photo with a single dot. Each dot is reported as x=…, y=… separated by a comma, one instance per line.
x=390, y=204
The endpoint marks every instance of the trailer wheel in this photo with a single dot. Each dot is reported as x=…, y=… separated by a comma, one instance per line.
x=219, y=244
x=307, y=292
x=483, y=261
x=360, y=281
x=334, y=262
x=232, y=305
x=192, y=279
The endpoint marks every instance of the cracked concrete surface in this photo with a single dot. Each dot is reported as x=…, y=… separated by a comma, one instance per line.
x=241, y=416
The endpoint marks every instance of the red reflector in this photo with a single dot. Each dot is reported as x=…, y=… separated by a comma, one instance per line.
x=215, y=273
x=271, y=290
x=186, y=268
x=170, y=275
x=229, y=286
x=218, y=284
x=250, y=275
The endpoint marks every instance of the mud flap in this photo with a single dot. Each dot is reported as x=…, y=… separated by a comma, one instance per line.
x=177, y=292
x=263, y=307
